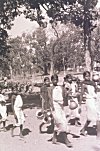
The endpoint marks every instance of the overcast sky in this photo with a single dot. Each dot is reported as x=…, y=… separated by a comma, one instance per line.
x=25, y=25
x=21, y=24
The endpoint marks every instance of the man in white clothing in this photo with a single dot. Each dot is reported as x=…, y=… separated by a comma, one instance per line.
x=17, y=104
x=3, y=109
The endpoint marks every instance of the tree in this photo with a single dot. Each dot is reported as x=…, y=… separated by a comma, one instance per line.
x=38, y=41
x=68, y=49
x=19, y=57
x=80, y=12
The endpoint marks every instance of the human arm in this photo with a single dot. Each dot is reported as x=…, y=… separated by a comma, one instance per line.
x=50, y=98
x=82, y=96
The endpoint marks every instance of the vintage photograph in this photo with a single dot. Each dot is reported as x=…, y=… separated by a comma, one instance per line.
x=50, y=75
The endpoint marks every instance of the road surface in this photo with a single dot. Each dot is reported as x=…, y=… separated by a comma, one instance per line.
x=34, y=141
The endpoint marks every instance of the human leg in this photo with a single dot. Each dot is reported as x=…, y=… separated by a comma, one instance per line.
x=54, y=139
x=66, y=140
x=21, y=131
x=83, y=130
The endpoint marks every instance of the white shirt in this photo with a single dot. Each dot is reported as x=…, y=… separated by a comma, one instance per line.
x=91, y=92
x=57, y=94
x=18, y=102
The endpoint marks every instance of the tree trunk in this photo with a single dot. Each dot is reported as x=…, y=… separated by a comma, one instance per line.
x=88, y=60
x=87, y=39
x=45, y=69
x=52, y=68
x=11, y=71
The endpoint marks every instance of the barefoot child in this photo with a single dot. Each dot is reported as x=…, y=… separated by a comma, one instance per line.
x=45, y=101
x=72, y=94
x=17, y=104
x=89, y=91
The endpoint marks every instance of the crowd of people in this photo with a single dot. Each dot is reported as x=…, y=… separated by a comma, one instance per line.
x=61, y=104
x=65, y=103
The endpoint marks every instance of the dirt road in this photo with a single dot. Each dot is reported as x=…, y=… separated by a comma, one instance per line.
x=34, y=141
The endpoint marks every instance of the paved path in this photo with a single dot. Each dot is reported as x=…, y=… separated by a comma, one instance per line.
x=34, y=141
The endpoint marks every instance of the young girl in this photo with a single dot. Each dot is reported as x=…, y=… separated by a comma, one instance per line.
x=72, y=94
x=56, y=94
x=45, y=102
x=89, y=91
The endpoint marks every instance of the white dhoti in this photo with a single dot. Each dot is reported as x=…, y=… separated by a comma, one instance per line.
x=60, y=118
x=18, y=110
x=98, y=106
x=91, y=109
x=20, y=116
x=58, y=113
x=3, y=112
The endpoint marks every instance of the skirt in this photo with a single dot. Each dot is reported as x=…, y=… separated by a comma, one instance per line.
x=20, y=116
x=91, y=106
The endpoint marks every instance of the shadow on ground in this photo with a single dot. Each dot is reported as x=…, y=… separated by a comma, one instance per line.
x=91, y=131
x=26, y=131
x=9, y=127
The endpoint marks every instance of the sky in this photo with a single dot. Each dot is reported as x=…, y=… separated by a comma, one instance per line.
x=21, y=25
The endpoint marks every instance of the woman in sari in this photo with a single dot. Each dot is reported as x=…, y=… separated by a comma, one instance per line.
x=56, y=94
x=89, y=92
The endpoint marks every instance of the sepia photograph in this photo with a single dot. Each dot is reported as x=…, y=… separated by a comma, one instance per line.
x=50, y=75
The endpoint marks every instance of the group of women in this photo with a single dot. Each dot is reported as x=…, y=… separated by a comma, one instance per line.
x=57, y=98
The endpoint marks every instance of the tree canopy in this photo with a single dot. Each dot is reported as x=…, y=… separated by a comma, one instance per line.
x=79, y=12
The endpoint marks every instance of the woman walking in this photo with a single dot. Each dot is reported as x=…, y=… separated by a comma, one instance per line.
x=56, y=94
x=89, y=91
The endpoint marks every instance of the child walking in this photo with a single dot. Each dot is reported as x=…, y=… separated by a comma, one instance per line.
x=17, y=104
x=45, y=102
x=89, y=91
x=72, y=95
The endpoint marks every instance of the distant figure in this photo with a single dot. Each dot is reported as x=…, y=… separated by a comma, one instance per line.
x=17, y=104
x=44, y=94
x=28, y=88
x=3, y=110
